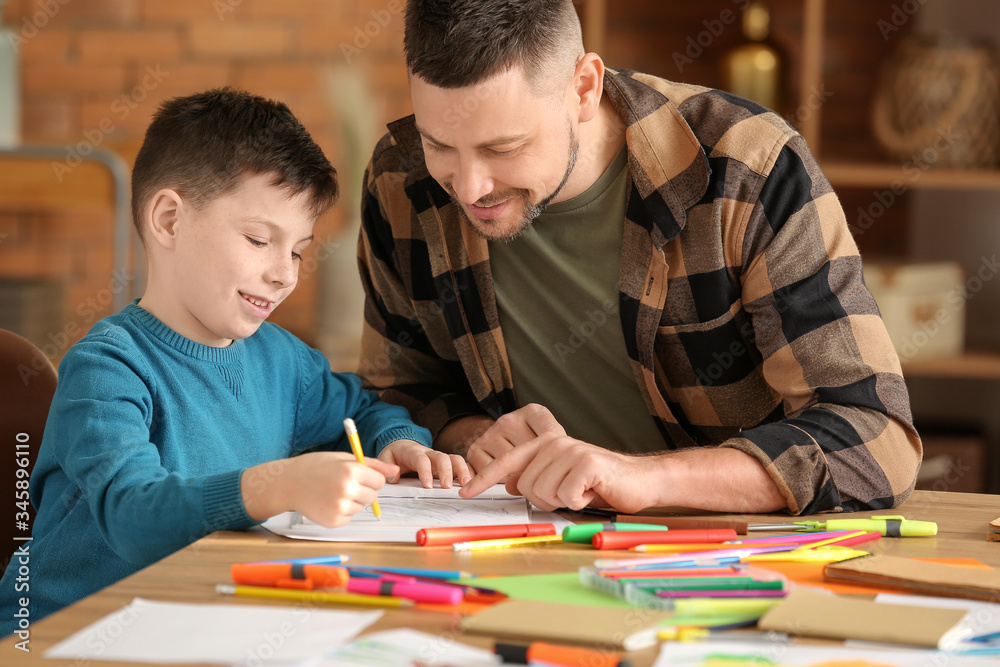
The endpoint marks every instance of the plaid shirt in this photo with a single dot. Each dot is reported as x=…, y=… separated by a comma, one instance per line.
x=746, y=319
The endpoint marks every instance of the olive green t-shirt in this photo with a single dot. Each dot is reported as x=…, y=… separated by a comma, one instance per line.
x=557, y=294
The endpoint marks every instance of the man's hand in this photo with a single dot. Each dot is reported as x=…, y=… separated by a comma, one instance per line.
x=427, y=463
x=512, y=430
x=555, y=470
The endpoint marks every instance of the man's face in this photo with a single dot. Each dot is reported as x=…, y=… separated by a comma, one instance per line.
x=236, y=259
x=502, y=151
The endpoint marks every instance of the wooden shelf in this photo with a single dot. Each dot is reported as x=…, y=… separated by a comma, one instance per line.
x=972, y=365
x=874, y=175
x=32, y=184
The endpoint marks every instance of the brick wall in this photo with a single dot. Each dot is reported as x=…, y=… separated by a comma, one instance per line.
x=93, y=72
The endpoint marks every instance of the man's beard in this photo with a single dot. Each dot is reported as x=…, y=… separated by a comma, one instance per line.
x=529, y=211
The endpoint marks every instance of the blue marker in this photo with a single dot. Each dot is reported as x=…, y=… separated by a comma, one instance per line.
x=317, y=560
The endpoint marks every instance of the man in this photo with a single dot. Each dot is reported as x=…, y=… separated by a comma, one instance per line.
x=663, y=267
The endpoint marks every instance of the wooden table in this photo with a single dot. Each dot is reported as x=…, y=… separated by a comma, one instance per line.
x=191, y=574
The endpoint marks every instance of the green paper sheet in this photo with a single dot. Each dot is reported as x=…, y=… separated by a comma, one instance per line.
x=565, y=588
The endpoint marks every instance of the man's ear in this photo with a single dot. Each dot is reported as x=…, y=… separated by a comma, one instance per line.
x=588, y=84
x=164, y=216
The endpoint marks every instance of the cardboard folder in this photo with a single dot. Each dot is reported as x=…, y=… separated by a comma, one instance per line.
x=812, y=614
x=916, y=576
x=530, y=620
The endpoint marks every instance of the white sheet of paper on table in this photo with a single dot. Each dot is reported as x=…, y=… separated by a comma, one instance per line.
x=406, y=647
x=228, y=634
x=407, y=507
x=698, y=653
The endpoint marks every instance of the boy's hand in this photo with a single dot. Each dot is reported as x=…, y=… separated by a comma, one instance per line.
x=327, y=487
x=427, y=463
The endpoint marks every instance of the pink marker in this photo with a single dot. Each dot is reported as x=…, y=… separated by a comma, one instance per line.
x=419, y=592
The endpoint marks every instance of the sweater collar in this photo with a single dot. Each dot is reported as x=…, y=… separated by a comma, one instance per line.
x=152, y=325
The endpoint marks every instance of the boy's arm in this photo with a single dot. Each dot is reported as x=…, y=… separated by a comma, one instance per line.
x=327, y=398
x=100, y=425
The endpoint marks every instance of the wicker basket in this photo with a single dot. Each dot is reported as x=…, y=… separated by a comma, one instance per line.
x=938, y=104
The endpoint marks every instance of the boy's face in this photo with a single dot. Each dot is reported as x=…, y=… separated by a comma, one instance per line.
x=234, y=261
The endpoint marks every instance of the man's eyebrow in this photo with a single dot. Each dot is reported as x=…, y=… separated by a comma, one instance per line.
x=496, y=141
x=275, y=228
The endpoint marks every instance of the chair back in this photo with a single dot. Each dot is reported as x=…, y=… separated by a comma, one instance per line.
x=27, y=384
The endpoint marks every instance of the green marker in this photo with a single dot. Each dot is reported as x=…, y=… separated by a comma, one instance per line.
x=722, y=586
x=583, y=532
x=888, y=525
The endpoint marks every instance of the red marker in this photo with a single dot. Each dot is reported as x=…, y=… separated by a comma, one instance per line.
x=615, y=540
x=289, y=575
x=435, y=537
x=432, y=593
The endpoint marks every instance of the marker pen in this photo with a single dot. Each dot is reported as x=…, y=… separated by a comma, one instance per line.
x=433, y=537
x=418, y=592
x=551, y=654
x=289, y=575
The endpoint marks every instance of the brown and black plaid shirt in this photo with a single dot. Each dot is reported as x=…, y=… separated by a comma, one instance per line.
x=741, y=299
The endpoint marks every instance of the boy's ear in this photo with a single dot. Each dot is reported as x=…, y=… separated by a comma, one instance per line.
x=164, y=217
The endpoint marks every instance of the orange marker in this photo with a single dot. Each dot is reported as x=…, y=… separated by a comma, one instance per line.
x=289, y=575
x=551, y=654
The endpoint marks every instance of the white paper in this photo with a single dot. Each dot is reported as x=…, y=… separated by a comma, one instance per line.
x=407, y=647
x=410, y=487
x=407, y=507
x=229, y=634
x=693, y=654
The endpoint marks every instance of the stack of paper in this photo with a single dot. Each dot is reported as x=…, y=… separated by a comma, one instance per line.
x=407, y=507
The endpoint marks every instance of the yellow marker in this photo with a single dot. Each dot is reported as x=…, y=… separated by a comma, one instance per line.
x=352, y=437
x=313, y=596
x=476, y=545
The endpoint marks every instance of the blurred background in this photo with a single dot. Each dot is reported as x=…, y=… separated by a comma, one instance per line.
x=900, y=101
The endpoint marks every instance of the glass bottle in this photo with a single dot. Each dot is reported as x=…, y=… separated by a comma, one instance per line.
x=755, y=69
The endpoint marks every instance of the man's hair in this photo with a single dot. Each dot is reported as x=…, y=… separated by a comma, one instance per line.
x=459, y=43
x=204, y=145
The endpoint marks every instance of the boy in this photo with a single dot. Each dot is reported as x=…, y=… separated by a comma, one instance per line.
x=186, y=413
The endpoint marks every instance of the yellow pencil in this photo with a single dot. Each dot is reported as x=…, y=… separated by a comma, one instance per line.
x=476, y=545
x=832, y=540
x=267, y=592
x=352, y=437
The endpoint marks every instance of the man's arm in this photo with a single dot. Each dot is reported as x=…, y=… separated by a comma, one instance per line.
x=847, y=440
x=554, y=470
x=400, y=355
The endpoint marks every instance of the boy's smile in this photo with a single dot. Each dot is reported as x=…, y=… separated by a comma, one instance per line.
x=217, y=272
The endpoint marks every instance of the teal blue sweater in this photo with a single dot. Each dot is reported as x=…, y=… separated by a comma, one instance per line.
x=148, y=435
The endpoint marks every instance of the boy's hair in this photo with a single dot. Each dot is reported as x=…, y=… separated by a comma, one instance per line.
x=204, y=145
x=459, y=43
